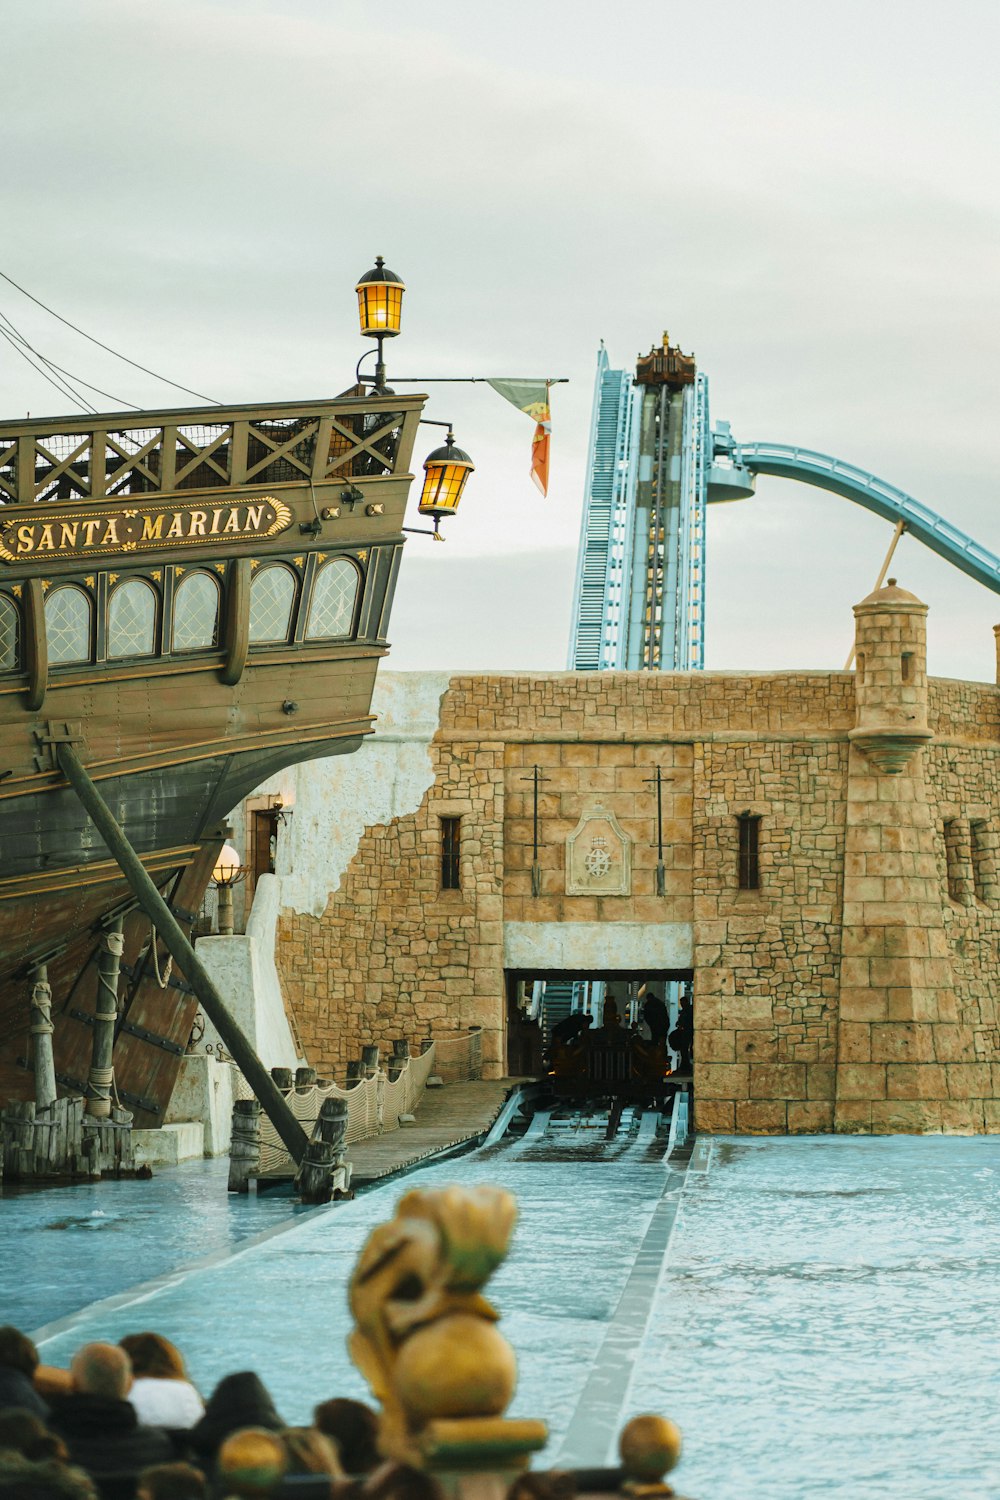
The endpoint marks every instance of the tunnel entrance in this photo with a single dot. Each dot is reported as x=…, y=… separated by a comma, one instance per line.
x=618, y=1034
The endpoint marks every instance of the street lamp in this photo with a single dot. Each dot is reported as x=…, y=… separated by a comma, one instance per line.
x=227, y=873
x=446, y=471
x=380, y=308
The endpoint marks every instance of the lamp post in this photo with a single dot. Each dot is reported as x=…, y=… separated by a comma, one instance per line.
x=380, y=309
x=227, y=873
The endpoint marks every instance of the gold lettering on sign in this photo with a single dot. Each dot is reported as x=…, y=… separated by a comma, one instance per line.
x=89, y=529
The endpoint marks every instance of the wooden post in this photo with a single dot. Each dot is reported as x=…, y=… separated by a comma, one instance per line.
x=355, y=1073
x=369, y=1060
x=41, y=1038
x=19, y=1141
x=290, y=1132
x=244, y=1148
x=283, y=1078
x=400, y=1055
x=305, y=1079
x=315, y=1179
x=105, y=1015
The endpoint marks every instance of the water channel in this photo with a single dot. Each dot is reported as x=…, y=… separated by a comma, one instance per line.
x=815, y=1313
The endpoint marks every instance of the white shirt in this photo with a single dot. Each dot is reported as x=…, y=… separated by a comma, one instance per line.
x=165, y=1403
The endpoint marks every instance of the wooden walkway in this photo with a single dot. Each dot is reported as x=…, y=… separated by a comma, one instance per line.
x=447, y=1116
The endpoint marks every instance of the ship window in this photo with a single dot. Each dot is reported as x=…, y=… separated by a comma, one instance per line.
x=335, y=594
x=8, y=634
x=196, y=613
x=132, y=619
x=67, y=624
x=272, y=594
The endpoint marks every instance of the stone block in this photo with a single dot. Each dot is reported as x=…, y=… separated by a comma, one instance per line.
x=953, y=1043
x=852, y=1117
x=721, y=1080
x=861, y=1081
x=777, y=1080
x=812, y=1117
x=900, y=1041
x=756, y=1046
x=821, y=1081
x=963, y=1118
x=169, y=1144
x=969, y=1080
x=864, y=1005
x=715, y=1116
x=906, y=1117
x=761, y=1117
x=714, y=1046
x=855, y=1042
x=916, y=1081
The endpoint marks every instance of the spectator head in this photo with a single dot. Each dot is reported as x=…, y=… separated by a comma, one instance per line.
x=22, y=1432
x=555, y=1485
x=171, y=1482
x=311, y=1452
x=17, y=1352
x=22, y=1479
x=399, y=1482
x=153, y=1355
x=251, y=1462
x=101, y=1370
x=354, y=1428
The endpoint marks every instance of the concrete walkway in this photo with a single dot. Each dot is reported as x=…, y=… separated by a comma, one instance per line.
x=448, y=1116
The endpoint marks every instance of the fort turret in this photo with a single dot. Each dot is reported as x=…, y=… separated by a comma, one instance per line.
x=891, y=677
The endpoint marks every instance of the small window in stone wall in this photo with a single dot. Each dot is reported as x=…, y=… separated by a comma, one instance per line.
x=451, y=850
x=860, y=666
x=749, y=851
x=907, y=666
x=984, y=875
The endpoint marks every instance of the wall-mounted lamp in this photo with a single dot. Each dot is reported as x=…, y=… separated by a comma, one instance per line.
x=380, y=309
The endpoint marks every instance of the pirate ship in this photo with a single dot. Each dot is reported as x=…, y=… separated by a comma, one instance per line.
x=190, y=600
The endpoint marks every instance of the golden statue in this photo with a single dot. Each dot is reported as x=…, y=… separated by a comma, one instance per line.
x=426, y=1338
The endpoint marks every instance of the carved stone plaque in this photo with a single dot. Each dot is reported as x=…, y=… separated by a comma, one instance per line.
x=598, y=856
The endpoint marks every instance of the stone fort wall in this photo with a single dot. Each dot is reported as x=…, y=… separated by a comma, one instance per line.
x=854, y=990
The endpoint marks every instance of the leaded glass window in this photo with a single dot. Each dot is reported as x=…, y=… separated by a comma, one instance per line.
x=67, y=624
x=335, y=594
x=9, y=625
x=196, y=613
x=272, y=594
x=132, y=619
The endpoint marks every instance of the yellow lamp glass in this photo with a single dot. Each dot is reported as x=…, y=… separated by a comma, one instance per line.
x=227, y=866
x=445, y=473
x=380, y=302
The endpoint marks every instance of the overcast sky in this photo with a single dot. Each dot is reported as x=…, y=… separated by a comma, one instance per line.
x=804, y=193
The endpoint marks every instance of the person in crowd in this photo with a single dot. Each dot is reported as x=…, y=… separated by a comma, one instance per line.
x=657, y=1018
x=682, y=1036
x=161, y=1392
x=250, y=1463
x=399, y=1482
x=25, y=1479
x=239, y=1400
x=100, y=1426
x=311, y=1452
x=354, y=1428
x=18, y=1363
x=171, y=1482
x=22, y=1432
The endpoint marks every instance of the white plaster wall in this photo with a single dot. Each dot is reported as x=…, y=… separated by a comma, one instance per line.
x=598, y=945
x=204, y=1091
x=335, y=800
x=245, y=972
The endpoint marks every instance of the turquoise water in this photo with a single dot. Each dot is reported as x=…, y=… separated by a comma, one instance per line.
x=822, y=1323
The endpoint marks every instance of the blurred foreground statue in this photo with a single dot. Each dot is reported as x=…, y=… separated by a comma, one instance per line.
x=427, y=1342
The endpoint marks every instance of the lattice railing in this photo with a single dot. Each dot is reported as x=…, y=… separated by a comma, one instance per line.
x=207, y=448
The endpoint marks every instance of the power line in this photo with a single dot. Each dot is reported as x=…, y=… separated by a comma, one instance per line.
x=53, y=380
x=51, y=364
x=107, y=347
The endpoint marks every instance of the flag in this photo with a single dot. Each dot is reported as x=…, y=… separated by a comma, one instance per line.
x=532, y=397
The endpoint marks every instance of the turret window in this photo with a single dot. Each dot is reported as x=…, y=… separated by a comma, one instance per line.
x=749, y=852
x=451, y=854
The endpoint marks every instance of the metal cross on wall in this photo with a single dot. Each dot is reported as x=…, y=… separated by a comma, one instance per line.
x=536, y=778
x=661, y=874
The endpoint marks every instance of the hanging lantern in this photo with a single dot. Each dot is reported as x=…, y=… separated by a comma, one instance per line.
x=445, y=473
x=380, y=301
x=228, y=868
